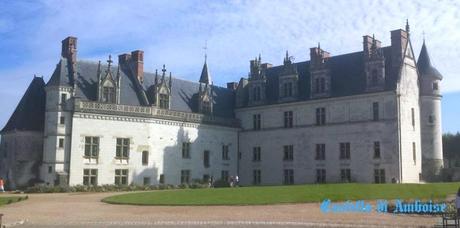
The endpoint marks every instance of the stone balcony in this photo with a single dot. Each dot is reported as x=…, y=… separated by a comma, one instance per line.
x=149, y=112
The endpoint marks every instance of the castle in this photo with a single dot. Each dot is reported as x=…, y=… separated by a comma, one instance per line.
x=371, y=116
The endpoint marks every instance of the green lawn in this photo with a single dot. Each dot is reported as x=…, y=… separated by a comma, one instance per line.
x=11, y=199
x=286, y=194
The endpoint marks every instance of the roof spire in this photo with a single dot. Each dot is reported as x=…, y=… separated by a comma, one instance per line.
x=109, y=62
x=164, y=72
x=407, y=26
x=205, y=50
x=205, y=76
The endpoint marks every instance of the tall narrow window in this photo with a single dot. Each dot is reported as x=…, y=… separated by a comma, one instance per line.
x=345, y=151
x=224, y=175
x=320, y=176
x=320, y=116
x=121, y=176
x=288, y=176
x=206, y=107
x=414, y=153
x=256, y=154
x=256, y=95
x=435, y=86
x=320, y=152
x=164, y=101
x=379, y=176
x=256, y=122
x=92, y=147
x=62, y=120
x=185, y=176
x=122, y=148
x=162, y=179
x=108, y=94
x=288, y=153
x=376, y=150
x=90, y=177
x=145, y=157
x=322, y=83
x=375, y=111
x=61, y=143
x=63, y=98
x=345, y=175
x=225, y=150
x=256, y=177
x=186, y=150
x=287, y=89
x=288, y=119
x=413, y=117
x=206, y=156
x=375, y=78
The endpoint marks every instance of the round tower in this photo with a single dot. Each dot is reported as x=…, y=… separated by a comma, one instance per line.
x=430, y=117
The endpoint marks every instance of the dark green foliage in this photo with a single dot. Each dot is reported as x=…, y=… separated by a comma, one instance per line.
x=451, y=149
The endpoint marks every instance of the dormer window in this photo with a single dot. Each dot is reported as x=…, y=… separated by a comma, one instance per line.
x=164, y=101
x=108, y=92
x=206, y=108
x=287, y=89
x=320, y=85
x=256, y=95
x=374, y=78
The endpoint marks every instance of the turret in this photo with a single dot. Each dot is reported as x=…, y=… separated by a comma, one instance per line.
x=430, y=94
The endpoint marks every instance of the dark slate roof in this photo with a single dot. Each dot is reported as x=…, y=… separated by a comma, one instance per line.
x=29, y=115
x=184, y=93
x=424, y=64
x=205, y=76
x=347, y=76
x=56, y=78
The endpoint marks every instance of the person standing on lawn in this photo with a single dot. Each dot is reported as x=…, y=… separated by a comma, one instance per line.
x=2, y=184
x=457, y=202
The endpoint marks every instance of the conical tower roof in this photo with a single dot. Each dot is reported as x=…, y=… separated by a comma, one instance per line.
x=205, y=76
x=424, y=65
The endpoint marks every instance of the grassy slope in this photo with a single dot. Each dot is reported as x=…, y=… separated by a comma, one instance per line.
x=14, y=199
x=287, y=194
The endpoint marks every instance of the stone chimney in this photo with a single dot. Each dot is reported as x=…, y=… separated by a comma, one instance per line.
x=399, y=39
x=232, y=85
x=318, y=56
x=367, y=45
x=69, y=49
x=124, y=59
x=137, y=61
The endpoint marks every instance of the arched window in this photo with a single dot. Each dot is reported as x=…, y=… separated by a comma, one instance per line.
x=164, y=101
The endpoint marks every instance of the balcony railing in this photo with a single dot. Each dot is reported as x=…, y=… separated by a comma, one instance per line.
x=151, y=112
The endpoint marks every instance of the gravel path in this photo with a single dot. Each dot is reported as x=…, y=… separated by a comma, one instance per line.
x=87, y=210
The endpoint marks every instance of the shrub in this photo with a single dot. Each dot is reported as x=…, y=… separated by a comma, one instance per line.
x=221, y=184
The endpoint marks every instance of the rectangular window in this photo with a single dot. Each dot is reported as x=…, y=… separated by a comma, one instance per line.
x=162, y=179
x=435, y=86
x=288, y=153
x=379, y=176
x=288, y=119
x=225, y=152
x=50, y=169
x=185, y=176
x=256, y=122
x=320, y=116
x=186, y=150
x=206, y=161
x=288, y=176
x=256, y=177
x=108, y=94
x=345, y=175
x=62, y=120
x=164, y=101
x=224, y=175
x=376, y=149
x=414, y=151
x=63, y=98
x=320, y=176
x=122, y=148
x=92, y=147
x=145, y=157
x=345, y=150
x=413, y=117
x=61, y=143
x=287, y=89
x=147, y=181
x=320, y=152
x=90, y=177
x=375, y=111
x=121, y=176
x=256, y=154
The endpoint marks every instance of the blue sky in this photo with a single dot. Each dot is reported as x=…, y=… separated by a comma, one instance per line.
x=174, y=33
